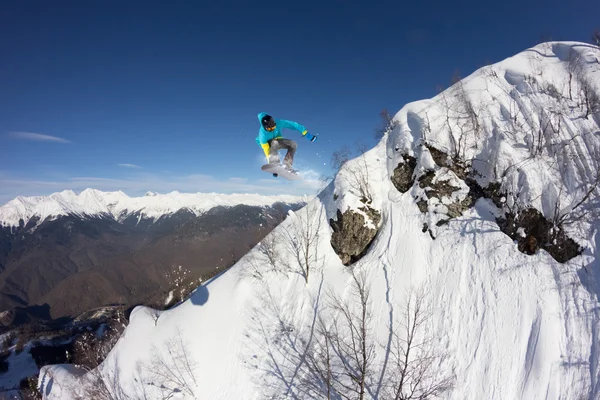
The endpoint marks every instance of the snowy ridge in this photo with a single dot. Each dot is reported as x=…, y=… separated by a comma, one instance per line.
x=118, y=205
x=514, y=326
x=533, y=134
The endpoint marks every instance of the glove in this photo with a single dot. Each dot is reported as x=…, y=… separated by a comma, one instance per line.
x=310, y=137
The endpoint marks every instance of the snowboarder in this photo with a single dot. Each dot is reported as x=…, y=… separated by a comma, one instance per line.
x=271, y=140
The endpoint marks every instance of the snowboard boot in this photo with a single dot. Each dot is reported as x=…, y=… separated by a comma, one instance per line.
x=290, y=169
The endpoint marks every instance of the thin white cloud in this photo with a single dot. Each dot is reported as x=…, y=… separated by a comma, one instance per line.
x=271, y=181
x=38, y=137
x=129, y=166
x=238, y=180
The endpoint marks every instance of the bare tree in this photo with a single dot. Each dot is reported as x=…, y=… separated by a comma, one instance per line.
x=334, y=356
x=596, y=37
x=357, y=175
x=271, y=254
x=330, y=358
x=104, y=386
x=172, y=368
x=266, y=259
x=445, y=105
x=101, y=383
x=319, y=359
x=352, y=340
x=576, y=211
x=140, y=386
x=386, y=124
x=461, y=118
x=426, y=131
x=574, y=66
x=340, y=157
x=413, y=373
x=286, y=340
x=170, y=371
x=302, y=240
x=548, y=126
x=467, y=120
x=590, y=100
x=154, y=314
x=255, y=269
x=356, y=172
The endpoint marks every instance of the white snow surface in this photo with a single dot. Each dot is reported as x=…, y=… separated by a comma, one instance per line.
x=513, y=326
x=118, y=205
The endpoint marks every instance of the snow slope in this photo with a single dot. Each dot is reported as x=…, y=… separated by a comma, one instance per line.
x=118, y=205
x=512, y=326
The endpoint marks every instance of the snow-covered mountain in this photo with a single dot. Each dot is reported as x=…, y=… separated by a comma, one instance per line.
x=119, y=206
x=458, y=258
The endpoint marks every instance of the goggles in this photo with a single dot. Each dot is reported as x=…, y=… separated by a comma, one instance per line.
x=268, y=123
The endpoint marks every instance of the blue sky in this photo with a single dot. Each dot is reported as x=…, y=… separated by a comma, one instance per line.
x=156, y=95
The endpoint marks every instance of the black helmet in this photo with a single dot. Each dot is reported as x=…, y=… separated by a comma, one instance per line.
x=268, y=122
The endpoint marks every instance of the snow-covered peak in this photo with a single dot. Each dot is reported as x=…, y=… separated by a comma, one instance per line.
x=524, y=122
x=118, y=205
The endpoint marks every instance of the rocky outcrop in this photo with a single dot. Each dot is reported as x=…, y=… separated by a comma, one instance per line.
x=450, y=189
x=353, y=233
x=444, y=160
x=444, y=195
x=403, y=176
x=533, y=232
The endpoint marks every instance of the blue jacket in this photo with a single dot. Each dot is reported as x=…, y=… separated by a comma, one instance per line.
x=264, y=136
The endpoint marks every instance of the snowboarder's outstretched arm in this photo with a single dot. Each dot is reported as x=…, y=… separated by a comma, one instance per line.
x=284, y=123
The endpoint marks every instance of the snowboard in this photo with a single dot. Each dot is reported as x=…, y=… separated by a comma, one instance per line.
x=280, y=171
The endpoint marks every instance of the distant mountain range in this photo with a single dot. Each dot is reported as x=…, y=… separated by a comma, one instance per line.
x=66, y=253
x=119, y=206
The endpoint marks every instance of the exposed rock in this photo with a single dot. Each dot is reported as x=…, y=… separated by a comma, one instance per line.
x=457, y=208
x=533, y=232
x=439, y=189
x=492, y=192
x=529, y=245
x=422, y=204
x=403, y=174
x=444, y=160
x=529, y=227
x=351, y=236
